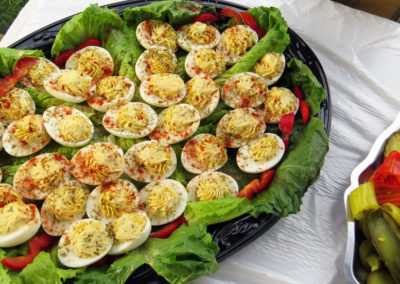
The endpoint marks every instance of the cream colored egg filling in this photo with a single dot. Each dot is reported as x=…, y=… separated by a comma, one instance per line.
x=250, y=86
x=163, y=34
x=103, y=162
x=74, y=83
x=210, y=61
x=243, y=124
x=199, y=92
x=89, y=239
x=14, y=216
x=40, y=71
x=178, y=119
x=128, y=227
x=65, y=203
x=30, y=129
x=155, y=158
x=92, y=62
x=166, y=86
x=132, y=118
x=264, y=149
x=160, y=61
x=161, y=202
x=238, y=40
x=211, y=189
x=210, y=152
x=280, y=101
x=201, y=33
x=270, y=65
x=112, y=88
x=75, y=128
x=47, y=173
x=8, y=196
x=115, y=200
x=14, y=105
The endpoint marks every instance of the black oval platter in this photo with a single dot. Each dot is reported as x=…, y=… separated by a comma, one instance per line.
x=233, y=235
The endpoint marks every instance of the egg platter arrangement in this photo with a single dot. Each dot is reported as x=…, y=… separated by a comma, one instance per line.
x=92, y=201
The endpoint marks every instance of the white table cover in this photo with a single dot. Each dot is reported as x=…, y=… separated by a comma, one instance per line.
x=360, y=54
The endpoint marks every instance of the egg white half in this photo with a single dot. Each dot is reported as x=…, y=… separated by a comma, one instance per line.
x=187, y=44
x=142, y=67
x=15, y=97
x=193, y=70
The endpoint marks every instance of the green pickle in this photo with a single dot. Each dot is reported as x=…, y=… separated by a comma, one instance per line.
x=393, y=211
x=393, y=144
x=363, y=200
x=368, y=256
x=380, y=277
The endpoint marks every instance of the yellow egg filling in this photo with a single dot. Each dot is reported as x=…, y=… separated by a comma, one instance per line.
x=8, y=196
x=210, y=61
x=243, y=125
x=163, y=34
x=65, y=203
x=264, y=149
x=160, y=61
x=161, y=202
x=155, y=158
x=178, y=119
x=89, y=239
x=40, y=71
x=112, y=88
x=47, y=173
x=31, y=129
x=103, y=162
x=280, y=101
x=166, y=86
x=92, y=62
x=201, y=33
x=75, y=128
x=210, y=152
x=132, y=118
x=249, y=86
x=211, y=189
x=14, y=105
x=128, y=227
x=238, y=40
x=14, y=216
x=116, y=199
x=74, y=83
x=199, y=92
x=269, y=66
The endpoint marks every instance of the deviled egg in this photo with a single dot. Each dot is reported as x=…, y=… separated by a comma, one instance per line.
x=203, y=152
x=14, y=105
x=8, y=194
x=94, y=61
x=70, y=85
x=150, y=161
x=25, y=136
x=1, y=141
x=205, y=62
x=271, y=67
x=197, y=35
x=132, y=120
x=68, y=126
x=163, y=201
x=41, y=175
x=112, y=91
x=85, y=242
x=211, y=186
x=260, y=154
x=155, y=60
x=279, y=102
x=39, y=72
x=244, y=90
x=98, y=163
x=235, y=42
x=238, y=127
x=155, y=32
x=163, y=90
x=176, y=123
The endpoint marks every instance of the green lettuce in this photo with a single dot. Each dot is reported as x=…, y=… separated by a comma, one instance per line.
x=295, y=174
x=10, y=56
x=93, y=22
x=175, y=12
x=217, y=211
x=276, y=39
x=180, y=68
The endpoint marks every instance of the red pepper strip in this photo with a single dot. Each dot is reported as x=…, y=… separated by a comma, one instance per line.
x=250, y=189
x=305, y=111
x=35, y=245
x=266, y=178
x=205, y=18
x=252, y=23
x=286, y=126
x=388, y=196
x=89, y=42
x=387, y=176
x=230, y=13
x=297, y=91
x=168, y=229
x=7, y=84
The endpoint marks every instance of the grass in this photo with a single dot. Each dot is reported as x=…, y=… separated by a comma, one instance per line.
x=9, y=10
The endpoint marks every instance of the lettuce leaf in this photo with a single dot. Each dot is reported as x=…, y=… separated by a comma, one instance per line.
x=10, y=56
x=175, y=12
x=276, y=39
x=93, y=22
x=217, y=211
x=299, y=170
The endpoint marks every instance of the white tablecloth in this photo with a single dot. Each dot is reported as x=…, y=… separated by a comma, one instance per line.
x=360, y=54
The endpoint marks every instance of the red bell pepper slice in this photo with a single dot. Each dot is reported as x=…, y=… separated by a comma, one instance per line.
x=7, y=84
x=35, y=245
x=89, y=42
x=305, y=111
x=252, y=23
x=266, y=179
x=297, y=91
x=286, y=126
x=208, y=17
x=168, y=229
x=387, y=176
x=230, y=13
x=250, y=189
